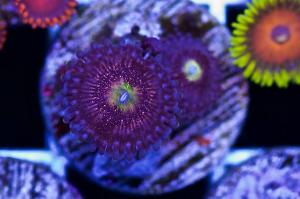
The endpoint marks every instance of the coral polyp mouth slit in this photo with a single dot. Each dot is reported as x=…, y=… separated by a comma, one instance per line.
x=264, y=42
x=281, y=34
x=3, y=33
x=192, y=70
x=119, y=103
x=45, y=13
x=123, y=96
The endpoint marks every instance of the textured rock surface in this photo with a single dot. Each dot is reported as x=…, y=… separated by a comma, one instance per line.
x=274, y=174
x=193, y=151
x=21, y=179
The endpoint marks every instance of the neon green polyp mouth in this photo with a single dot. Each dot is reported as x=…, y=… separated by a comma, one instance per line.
x=192, y=70
x=123, y=96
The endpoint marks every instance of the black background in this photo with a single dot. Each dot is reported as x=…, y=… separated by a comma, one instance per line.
x=273, y=116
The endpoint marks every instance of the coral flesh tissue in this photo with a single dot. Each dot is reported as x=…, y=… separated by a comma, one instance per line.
x=117, y=99
x=142, y=97
x=147, y=97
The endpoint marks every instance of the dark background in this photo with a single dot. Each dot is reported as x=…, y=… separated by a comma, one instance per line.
x=273, y=117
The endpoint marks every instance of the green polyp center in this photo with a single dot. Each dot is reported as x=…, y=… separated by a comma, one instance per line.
x=123, y=96
x=192, y=70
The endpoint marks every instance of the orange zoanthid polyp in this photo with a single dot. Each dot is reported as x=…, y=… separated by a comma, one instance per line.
x=265, y=42
x=44, y=13
x=278, y=52
x=3, y=33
